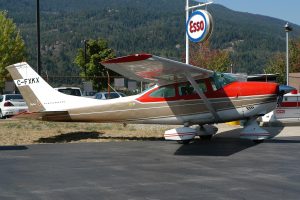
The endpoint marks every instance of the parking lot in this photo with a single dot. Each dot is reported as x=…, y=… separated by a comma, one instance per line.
x=224, y=168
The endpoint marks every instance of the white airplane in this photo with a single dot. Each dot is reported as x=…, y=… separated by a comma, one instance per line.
x=183, y=95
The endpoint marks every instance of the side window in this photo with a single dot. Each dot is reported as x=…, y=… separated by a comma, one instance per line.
x=213, y=85
x=188, y=89
x=165, y=92
x=185, y=89
x=1, y=98
x=202, y=85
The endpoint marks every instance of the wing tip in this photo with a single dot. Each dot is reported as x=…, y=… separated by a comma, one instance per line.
x=130, y=58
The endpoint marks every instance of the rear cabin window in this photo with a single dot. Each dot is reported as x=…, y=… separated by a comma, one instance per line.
x=187, y=89
x=164, y=92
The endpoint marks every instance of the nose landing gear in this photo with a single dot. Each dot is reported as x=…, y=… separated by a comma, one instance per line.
x=254, y=132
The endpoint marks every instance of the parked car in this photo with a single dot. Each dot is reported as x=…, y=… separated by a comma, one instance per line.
x=106, y=95
x=75, y=91
x=11, y=104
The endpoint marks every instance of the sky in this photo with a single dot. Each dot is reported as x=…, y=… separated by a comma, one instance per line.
x=288, y=10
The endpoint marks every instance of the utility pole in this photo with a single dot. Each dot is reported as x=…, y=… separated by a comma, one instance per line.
x=287, y=29
x=85, y=56
x=38, y=37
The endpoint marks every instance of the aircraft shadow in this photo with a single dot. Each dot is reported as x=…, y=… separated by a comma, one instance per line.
x=69, y=137
x=226, y=143
x=13, y=148
x=76, y=136
x=216, y=147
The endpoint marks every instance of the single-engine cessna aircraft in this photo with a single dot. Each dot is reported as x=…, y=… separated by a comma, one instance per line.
x=183, y=95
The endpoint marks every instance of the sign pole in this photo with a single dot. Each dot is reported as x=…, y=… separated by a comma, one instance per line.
x=186, y=35
x=187, y=9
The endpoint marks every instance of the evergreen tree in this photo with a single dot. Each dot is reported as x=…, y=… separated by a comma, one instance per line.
x=91, y=69
x=277, y=64
x=12, y=47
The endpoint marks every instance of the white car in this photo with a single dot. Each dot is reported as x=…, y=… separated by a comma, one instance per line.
x=11, y=104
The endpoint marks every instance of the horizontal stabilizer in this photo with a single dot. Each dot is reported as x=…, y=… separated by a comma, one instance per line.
x=56, y=116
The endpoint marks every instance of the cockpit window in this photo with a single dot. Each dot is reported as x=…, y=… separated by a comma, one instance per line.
x=164, y=92
x=219, y=80
x=188, y=89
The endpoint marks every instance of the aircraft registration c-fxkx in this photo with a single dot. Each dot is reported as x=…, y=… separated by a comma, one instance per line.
x=183, y=95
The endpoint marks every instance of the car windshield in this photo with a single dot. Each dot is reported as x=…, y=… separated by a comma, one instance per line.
x=70, y=91
x=13, y=97
x=219, y=80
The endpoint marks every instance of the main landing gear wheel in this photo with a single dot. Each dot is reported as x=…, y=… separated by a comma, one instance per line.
x=258, y=141
x=205, y=137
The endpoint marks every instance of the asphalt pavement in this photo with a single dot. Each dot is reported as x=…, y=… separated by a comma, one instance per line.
x=224, y=168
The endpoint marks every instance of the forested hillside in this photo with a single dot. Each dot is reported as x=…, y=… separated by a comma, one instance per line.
x=135, y=26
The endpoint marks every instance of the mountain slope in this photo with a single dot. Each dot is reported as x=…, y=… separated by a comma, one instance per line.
x=135, y=26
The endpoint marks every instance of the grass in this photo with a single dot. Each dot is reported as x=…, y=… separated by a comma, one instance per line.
x=20, y=132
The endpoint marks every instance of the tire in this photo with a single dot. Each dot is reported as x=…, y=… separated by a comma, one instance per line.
x=258, y=141
x=1, y=115
x=206, y=137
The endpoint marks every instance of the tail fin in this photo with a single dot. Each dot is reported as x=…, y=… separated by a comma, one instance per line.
x=37, y=93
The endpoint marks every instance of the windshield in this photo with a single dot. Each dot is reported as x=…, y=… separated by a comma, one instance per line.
x=219, y=80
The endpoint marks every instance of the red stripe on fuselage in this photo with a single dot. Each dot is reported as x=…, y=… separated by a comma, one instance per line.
x=235, y=89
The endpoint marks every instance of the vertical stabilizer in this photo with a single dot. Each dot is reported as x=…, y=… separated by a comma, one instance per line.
x=37, y=93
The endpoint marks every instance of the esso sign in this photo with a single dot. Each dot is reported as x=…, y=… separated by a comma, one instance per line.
x=199, y=26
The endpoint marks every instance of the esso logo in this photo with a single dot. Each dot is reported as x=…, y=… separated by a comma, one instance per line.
x=196, y=26
x=199, y=26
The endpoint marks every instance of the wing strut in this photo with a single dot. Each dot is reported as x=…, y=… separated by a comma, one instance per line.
x=203, y=97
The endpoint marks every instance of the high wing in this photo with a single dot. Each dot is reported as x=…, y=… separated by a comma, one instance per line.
x=150, y=68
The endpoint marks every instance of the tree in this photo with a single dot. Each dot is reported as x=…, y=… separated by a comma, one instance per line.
x=277, y=64
x=214, y=59
x=12, y=47
x=96, y=52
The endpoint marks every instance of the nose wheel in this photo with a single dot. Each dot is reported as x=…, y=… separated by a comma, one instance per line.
x=206, y=137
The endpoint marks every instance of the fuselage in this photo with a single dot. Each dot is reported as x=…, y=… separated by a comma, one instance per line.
x=179, y=104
